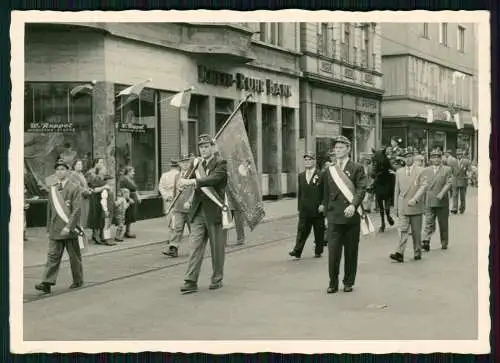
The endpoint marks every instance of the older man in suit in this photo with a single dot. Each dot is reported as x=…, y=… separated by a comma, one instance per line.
x=439, y=179
x=206, y=214
x=409, y=193
x=65, y=202
x=452, y=162
x=308, y=201
x=344, y=190
x=463, y=167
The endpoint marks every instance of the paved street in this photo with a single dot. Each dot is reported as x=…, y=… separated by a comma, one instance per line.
x=134, y=294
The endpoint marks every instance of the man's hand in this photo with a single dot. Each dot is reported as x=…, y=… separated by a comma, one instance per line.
x=321, y=208
x=439, y=196
x=349, y=211
x=65, y=231
x=412, y=202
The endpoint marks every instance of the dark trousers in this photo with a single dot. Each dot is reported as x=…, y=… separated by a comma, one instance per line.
x=458, y=193
x=54, y=257
x=430, y=216
x=306, y=223
x=343, y=236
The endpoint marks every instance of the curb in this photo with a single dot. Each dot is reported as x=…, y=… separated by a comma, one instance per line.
x=152, y=243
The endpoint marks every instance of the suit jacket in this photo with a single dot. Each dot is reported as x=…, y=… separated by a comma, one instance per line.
x=309, y=195
x=72, y=196
x=410, y=187
x=217, y=178
x=463, y=166
x=439, y=183
x=453, y=164
x=334, y=201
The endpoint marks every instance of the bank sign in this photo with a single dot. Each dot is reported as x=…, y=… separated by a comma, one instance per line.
x=242, y=82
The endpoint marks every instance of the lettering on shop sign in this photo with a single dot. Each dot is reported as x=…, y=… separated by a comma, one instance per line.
x=133, y=128
x=242, y=82
x=52, y=125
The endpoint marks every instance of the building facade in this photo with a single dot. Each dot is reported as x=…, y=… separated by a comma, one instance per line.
x=430, y=81
x=223, y=62
x=341, y=89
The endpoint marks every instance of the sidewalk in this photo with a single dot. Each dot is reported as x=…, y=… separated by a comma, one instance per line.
x=149, y=231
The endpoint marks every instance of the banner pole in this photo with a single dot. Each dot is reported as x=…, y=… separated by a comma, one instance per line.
x=190, y=173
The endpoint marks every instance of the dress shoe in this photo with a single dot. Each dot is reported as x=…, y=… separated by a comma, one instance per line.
x=317, y=255
x=107, y=242
x=44, y=287
x=189, y=287
x=462, y=211
x=417, y=257
x=398, y=257
x=294, y=254
x=130, y=235
x=390, y=220
x=240, y=242
x=215, y=285
x=426, y=246
x=76, y=285
x=172, y=252
x=347, y=288
x=453, y=212
x=381, y=229
x=117, y=239
x=444, y=245
x=332, y=290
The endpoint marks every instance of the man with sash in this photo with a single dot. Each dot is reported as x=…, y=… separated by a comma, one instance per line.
x=344, y=190
x=65, y=200
x=436, y=200
x=309, y=198
x=208, y=214
x=409, y=195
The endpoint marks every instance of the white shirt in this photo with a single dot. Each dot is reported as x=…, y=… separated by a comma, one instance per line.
x=408, y=170
x=342, y=163
x=309, y=174
x=435, y=168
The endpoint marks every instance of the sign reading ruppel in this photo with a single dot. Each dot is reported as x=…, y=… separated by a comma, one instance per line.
x=52, y=124
x=242, y=82
x=134, y=128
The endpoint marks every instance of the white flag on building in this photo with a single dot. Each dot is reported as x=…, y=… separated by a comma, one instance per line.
x=135, y=89
x=447, y=115
x=456, y=118
x=474, y=122
x=430, y=116
x=182, y=98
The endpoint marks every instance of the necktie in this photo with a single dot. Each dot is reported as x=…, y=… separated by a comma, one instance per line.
x=408, y=171
x=59, y=186
x=204, y=164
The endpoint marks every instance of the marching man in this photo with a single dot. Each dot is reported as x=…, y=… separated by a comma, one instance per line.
x=65, y=204
x=207, y=214
x=436, y=200
x=344, y=190
x=409, y=193
x=309, y=199
x=167, y=187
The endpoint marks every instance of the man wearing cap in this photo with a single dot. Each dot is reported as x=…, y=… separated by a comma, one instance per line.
x=419, y=160
x=65, y=201
x=436, y=200
x=167, y=187
x=343, y=193
x=409, y=194
x=463, y=167
x=209, y=178
x=309, y=199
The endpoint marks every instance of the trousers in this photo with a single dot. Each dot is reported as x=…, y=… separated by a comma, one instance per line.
x=306, y=223
x=459, y=194
x=343, y=236
x=430, y=216
x=415, y=222
x=178, y=222
x=54, y=257
x=201, y=232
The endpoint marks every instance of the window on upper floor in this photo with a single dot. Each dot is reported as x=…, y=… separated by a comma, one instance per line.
x=346, y=35
x=461, y=39
x=365, y=46
x=425, y=31
x=443, y=34
x=323, y=39
x=272, y=33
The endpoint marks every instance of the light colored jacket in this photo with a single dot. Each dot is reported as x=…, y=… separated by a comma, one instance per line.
x=409, y=187
x=438, y=183
x=167, y=186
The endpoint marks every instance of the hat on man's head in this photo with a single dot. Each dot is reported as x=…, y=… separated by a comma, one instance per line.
x=205, y=139
x=419, y=157
x=185, y=157
x=342, y=139
x=107, y=177
x=435, y=153
x=174, y=162
x=61, y=162
x=309, y=154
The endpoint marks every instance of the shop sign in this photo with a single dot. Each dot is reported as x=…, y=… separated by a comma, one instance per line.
x=133, y=128
x=53, y=124
x=242, y=82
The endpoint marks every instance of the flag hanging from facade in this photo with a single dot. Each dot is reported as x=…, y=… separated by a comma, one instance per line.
x=458, y=122
x=131, y=93
x=243, y=184
x=181, y=99
x=430, y=116
x=474, y=122
x=81, y=90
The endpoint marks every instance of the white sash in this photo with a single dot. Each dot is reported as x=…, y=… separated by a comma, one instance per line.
x=65, y=218
x=227, y=220
x=367, y=226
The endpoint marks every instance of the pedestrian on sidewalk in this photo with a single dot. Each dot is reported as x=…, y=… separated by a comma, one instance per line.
x=463, y=168
x=343, y=193
x=309, y=198
x=122, y=203
x=436, y=201
x=409, y=195
x=127, y=181
x=167, y=187
x=179, y=212
x=81, y=181
x=65, y=199
x=205, y=215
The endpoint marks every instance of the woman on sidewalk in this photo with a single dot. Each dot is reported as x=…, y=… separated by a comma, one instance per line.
x=127, y=181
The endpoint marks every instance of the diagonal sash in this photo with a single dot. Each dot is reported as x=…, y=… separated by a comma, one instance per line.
x=227, y=220
x=63, y=213
x=347, y=188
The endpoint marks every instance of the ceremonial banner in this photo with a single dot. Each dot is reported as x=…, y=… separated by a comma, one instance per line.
x=243, y=180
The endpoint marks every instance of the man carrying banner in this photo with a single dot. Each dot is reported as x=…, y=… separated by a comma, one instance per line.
x=206, y=214
x=65, y=201
x=343, y=194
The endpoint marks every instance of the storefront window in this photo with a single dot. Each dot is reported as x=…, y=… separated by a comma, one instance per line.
x=437, y=139
x=223, y=109
x=56, y=124
x=365, y=133
x=137, y=146
x=323, y=146
x=417, y=139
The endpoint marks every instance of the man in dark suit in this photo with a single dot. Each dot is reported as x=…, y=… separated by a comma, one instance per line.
x=463, y=166
x=206, y=214
x=65, y=202
x=309, y=198
x=436, y=200
x=344, y=190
